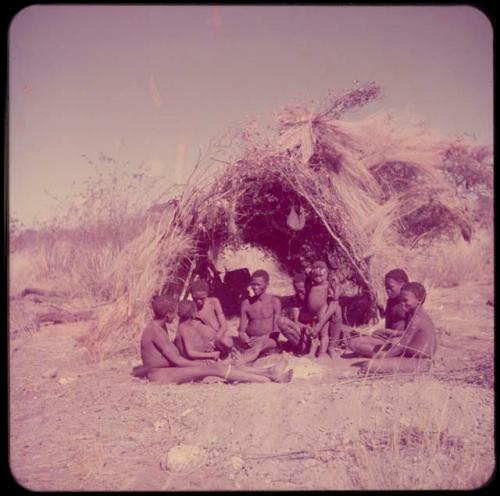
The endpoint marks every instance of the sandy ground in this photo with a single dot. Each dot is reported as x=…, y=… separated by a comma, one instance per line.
x=77, y=427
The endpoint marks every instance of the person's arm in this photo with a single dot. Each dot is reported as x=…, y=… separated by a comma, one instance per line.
x=169, y=351
x=388, y=333
x=220, y=317
x=276, y=313
x=332, y=308
x=244, y=321
x=294, y=314
x=190, y=351
x=398, y=347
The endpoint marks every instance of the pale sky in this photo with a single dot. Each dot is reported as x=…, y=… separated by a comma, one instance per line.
x=153, y=83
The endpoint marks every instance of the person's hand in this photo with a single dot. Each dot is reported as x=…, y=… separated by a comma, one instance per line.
x=307, y=330
x=253, y=341
x=210, y=347
x=314, y=331
x=207, y=361
x=244, y=338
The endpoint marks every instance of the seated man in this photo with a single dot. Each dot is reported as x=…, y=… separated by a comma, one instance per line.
x=409, y=351
x=395, y=316
x=258, y=322
x=163, y=363
x=209, y=312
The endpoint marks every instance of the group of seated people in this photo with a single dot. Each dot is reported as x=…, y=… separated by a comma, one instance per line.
x=310, y=323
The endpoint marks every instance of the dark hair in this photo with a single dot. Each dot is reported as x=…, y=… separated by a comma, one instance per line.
x=162, y=305
x=398, y=275
x=320, y=264
x=261, y=273
x=199, y=285
x=417, y=289
x=300, y=277
x=186, y=309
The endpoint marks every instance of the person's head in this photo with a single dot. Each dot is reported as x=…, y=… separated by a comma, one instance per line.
x=164, y=308
x=299, y=285
x=412, y=296
x=394, y=281
x=186, y=309
x=259, y=282
x=319, y=272
x=199, y=291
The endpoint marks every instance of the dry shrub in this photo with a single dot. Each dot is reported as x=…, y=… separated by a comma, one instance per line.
x=141, y=269
x=447, y=264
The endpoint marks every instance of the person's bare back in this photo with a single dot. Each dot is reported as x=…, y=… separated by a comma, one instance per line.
x=422, y=336
x=153, y=340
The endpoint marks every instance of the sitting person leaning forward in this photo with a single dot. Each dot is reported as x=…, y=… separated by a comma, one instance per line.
x=318, y=323
x=409, y=352
x=394, y=314
x=258, y=330
x=209, y=312
x=163, y=363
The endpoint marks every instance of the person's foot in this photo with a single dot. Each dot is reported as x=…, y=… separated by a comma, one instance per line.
x=324, y=357
x=332, y=353
x=279, y=367
x=283, y=377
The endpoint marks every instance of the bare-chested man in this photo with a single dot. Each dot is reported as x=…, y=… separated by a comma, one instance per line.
x=409, y=352
x=258, y=322
x=209, y=312
x=163, y=363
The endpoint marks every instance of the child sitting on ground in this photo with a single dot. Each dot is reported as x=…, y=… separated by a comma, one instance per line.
x=209, y=312
x=258, y=330
x=290, y=323
x=411, y=350
x=325, y=315
x=163, y=363
x=395, y=316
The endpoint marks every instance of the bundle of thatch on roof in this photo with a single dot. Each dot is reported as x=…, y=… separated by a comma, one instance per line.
x=363, y=188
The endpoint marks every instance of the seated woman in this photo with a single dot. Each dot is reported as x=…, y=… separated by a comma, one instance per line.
x=412, y=351
x=163, y=363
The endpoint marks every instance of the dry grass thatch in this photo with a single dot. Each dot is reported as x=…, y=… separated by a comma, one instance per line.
x=366, y=189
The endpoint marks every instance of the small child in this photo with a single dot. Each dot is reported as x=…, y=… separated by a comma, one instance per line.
x=329, y=323
x=290, y=323
x=325, y=313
